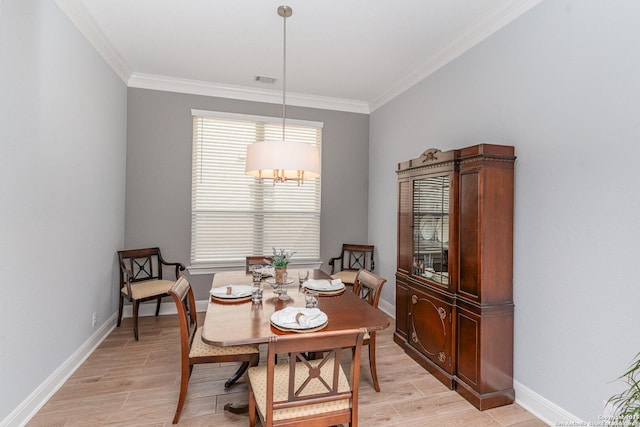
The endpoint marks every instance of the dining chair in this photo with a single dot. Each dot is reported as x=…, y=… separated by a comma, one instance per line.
x=368, y=287
x=253, y=260
x=314, y=392
x=141, y=280
x=195, y=351
x=352, y=258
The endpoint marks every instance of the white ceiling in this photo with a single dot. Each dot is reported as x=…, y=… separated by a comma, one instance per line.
x=350, y=55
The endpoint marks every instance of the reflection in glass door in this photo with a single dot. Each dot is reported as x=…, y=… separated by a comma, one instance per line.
x=431, y=228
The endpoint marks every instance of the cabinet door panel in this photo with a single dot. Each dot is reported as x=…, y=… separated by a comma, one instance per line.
x=468, y=338
x=405, y=235
x=401, y=308
x=430, y=323
x=469, y=235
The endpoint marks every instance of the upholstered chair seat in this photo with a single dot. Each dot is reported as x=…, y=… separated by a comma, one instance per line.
x=147, y=289
x=347, y=277
x=201, y=349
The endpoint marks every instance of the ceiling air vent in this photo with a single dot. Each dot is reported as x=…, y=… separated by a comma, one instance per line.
x=266, y=80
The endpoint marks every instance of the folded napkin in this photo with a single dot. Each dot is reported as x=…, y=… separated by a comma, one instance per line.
x=267, y=271
x=337, y=284
x=315, y=283
x=231, y=291
x=324, y=285
x=305, y=317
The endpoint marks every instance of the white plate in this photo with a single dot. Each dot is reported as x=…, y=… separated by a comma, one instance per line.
x=443, y=230
x=322, y=285
x=286, y=318
x=272, y=280
x=237, y=291
x=428, y=228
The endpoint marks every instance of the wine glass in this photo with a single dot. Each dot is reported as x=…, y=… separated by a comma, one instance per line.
x=256, y=271
x=283, y=289
x=303, y=276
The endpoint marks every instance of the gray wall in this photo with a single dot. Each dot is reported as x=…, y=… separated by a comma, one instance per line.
x=159, y=139
x=62, y=134
x=561, y=84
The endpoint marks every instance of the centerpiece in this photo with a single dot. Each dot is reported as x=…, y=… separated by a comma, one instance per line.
x=280, y=261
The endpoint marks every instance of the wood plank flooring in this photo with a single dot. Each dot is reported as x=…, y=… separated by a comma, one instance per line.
x=129, y=383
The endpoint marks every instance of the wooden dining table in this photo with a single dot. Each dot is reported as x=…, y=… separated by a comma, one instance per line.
x=237, y=323
x=228, y=323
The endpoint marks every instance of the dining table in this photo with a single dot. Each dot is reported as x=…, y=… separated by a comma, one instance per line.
x=241, y=322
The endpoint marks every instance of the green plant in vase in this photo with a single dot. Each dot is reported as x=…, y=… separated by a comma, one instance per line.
x=281, y=259
x=627, y=403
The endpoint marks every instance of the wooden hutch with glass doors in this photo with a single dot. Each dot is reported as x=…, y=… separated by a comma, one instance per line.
x=454, y=282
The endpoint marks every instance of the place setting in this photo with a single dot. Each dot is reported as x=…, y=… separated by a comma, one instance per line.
x=325, y=287
x=264, y=270
x=299, y=319
x=231, y=294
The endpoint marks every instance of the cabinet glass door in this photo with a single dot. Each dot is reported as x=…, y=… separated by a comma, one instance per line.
x=431, y=228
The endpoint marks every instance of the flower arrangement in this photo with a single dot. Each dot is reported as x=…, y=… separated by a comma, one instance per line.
x=281, y=258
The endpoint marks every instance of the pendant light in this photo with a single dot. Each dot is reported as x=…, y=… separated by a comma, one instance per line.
x=283, y=160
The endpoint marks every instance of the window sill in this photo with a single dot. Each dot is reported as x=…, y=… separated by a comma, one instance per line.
x=196, y=270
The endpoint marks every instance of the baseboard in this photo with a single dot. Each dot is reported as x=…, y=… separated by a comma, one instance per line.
x=543, y=408
x=149, y=309
x=388, y=309
x=32, y=404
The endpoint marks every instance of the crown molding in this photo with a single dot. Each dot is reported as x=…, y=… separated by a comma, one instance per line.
x=493, y=22
x=470, y=38
x=88, y=28
x=198, y=87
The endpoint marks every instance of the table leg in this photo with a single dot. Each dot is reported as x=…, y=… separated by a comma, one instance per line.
x=236, y=408
x=235, y=377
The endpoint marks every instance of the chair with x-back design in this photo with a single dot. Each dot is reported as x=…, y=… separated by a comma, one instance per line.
x=310, y=392
x=141, y=280
x=352, y=258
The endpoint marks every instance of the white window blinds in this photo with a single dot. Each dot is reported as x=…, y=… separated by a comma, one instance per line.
x=234, y=215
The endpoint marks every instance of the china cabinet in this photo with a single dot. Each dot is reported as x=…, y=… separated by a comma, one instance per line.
x=454, y=297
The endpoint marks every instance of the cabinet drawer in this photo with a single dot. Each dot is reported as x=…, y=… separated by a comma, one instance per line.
x=430, y=327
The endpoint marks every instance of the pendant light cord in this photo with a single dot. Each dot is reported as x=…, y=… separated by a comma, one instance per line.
x=284, y=75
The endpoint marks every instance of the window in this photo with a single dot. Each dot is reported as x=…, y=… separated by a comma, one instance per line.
x=234, y=215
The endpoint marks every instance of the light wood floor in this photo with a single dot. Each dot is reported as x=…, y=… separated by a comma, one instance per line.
x=129, y=383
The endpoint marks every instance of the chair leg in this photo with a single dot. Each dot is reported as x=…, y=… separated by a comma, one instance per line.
x=372, y=361
x=184, y=385
x=158, y=306
x=136, y=305
x=252, y=408
x=120, y=304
